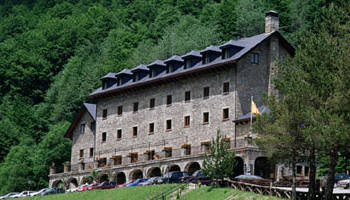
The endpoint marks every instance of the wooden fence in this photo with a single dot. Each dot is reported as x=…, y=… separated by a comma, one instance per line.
x=278, y=192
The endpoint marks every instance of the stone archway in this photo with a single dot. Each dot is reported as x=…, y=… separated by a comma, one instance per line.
x=73, y=183
x=153, y=172
x=121, y=178
x=86, y=179
x=103, y=177
x=58, y=183
x=192, y=167
x=136, y=174
x=239, y=168
x=264, y=167
x=174, y=168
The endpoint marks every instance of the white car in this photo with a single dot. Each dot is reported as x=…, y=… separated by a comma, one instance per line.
x=9, y=195
x=22, y=194
x=343, y=183
x=38, y=192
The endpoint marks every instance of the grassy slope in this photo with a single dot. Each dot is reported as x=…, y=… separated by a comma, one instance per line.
x=222, y=193
x=129, y=193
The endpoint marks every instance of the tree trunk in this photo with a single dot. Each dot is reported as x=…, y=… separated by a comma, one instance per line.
x=331, y=172
x=294, y=189
x=312, y=174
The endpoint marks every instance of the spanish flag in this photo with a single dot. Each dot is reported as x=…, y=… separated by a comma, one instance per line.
x=255, y=109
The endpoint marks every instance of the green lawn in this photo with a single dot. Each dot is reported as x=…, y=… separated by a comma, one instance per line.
x=223, y=193
x=147, y=192
x=128, y=193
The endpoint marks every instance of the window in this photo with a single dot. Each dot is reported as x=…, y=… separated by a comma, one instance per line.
x=117, y=160
x=102, y=162
x=134, y=157
x=187, y=96
x=168, y=124
x=226, y=88
x=104, y=137
x=136, y=76
x=254, y=58
x=206, y=92
x=306, y=171
x=225, y=53
x=168, y=151
x=206, y=58
x=169, y=100
x=81, y=153
x=187, y=121
x=169, y=68
x=206, y=118
x=188, y=63
x=93, y=126
x=104, y=114
x=136, y=106
x=187, y=149
x=152, y=103
x=151, y=128
x=299, y=170
x=82, y=128
x=119, y=81
x=104, y=85
x=91, y=154
x=225, y=114
x=120, y=110
x=152, y=73
x=205, y=147
x=150, y=155
x=119, y=134
x=134, y=131
x=82, y=166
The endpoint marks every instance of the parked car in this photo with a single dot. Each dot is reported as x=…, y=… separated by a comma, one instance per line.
x=106, y=185
x=150, y=181
x=124, y=184
x=249, y=177
x=196, y=177
x=93, y=185
x=83, y=188
x=9, y=195
x=137, y=182
x=38, y=192
x=53, y=191
x=22, y=194
x=173, y=177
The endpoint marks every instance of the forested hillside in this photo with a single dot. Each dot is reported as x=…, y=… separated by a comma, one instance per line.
x=53, y=53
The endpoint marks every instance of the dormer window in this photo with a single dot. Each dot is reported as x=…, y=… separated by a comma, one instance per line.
x=152, y=73
x=170, y=68
x=188, y=63
x=136, y=77
x=104, y=85
x=225, y=53
x=119, y=81
x=206, y=58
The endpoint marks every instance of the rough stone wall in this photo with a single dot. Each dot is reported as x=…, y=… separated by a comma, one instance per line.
x=196, y=133
x=83, y=141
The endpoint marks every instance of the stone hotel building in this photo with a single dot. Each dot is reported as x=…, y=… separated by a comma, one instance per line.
x=161, y=117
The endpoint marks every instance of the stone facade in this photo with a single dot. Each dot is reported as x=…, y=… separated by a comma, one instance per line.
x=245, y=79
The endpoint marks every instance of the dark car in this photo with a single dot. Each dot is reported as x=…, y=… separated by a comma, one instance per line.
x=197, y=177
x=106, y=185
x=53, y=191
x=173, y=177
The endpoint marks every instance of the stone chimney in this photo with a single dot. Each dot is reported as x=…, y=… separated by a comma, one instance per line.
x=271, y=21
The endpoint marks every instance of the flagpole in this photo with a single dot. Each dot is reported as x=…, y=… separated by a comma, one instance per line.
x=251, y=114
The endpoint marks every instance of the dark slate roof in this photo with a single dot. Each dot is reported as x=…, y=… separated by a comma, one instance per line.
x=124, y=71
x=109, y=75
x=230, y=43
x=91, y=108
x=211, y=48
x=140, y=67
x=174, y=58
x=156, y=63
x=247, y=44
x=262, y=109
x=193, y=54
